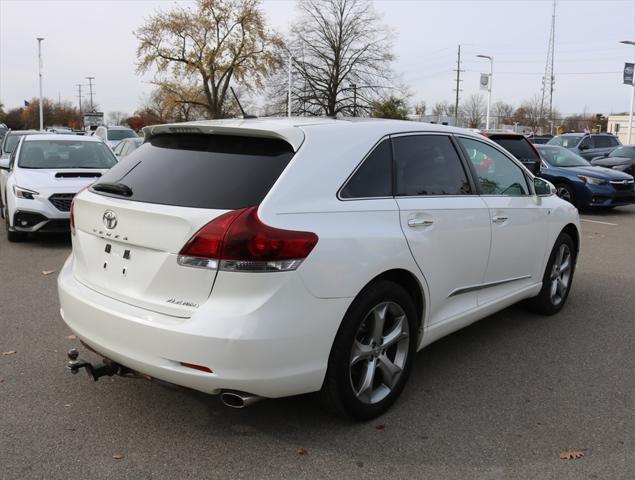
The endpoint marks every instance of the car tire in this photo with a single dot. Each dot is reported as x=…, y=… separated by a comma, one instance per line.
x=12, y=236
x=372, y=353
x=565, y=192
x=557, y=279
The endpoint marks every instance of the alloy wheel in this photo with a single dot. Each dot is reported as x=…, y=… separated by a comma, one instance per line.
x=564, y=193
x=379, y=353
x=560, y=274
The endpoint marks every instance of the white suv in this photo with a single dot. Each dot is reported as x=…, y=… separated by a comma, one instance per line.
x=113, y=135
x=275, y=257
x=41, y=177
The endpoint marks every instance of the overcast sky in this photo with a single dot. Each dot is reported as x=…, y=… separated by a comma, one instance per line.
x=95, y=38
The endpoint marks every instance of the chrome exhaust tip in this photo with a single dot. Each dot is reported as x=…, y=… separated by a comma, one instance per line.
x=238, y=399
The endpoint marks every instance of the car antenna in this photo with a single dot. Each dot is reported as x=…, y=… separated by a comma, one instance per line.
x=240, y=106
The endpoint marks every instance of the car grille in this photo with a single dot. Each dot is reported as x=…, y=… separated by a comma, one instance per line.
x=620, y=185
x=62, y=201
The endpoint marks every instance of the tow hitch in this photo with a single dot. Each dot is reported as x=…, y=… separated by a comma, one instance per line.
x=75, y=363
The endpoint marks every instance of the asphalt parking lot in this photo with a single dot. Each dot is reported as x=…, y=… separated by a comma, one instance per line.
x=500, y=399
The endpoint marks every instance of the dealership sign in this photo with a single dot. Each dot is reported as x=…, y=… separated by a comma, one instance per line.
x=628, y=73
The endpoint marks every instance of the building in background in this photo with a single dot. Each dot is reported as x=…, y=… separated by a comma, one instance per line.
x=618, y=124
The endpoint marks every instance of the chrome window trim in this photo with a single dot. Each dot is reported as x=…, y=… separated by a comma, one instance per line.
x=481, y=286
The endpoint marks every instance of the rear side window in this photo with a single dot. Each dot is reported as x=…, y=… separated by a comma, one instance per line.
x=223, y=172
x=519, y=147
x=428, y=165
x=604, y=141
x=374, y=177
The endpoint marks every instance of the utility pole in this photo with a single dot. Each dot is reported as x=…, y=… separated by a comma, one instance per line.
x=39, y=56
x=79, y=87
x=90, y=86
x=458, y=90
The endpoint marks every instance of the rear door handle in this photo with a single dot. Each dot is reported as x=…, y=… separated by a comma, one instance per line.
x=500, y=219
x=419, y=222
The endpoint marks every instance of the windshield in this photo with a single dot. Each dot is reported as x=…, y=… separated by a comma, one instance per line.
x=56, y=154
x=120, y=134
x=561, y=157
x=628, y=152
x=566, y=141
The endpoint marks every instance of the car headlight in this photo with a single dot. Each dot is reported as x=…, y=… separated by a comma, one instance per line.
x=24, y=192
x=592, y=180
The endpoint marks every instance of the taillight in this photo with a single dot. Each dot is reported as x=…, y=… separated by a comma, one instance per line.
x=73, y=217
x=238, y=241
x=73, y=209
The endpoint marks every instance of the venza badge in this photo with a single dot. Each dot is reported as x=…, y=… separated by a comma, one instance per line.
x=109, y=219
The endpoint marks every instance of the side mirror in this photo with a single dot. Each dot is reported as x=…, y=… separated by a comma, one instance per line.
x=583, y=147
x=543, y=188
x=606, y=154
x=4, y=163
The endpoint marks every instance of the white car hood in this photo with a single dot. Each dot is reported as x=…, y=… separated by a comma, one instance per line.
x=49, y=180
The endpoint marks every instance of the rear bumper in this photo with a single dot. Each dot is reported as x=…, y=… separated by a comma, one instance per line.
x=273, y=347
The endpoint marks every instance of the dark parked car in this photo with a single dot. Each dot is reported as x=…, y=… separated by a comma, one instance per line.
x=582, y=184
x=586, y=145
x=622, y=159
x=519, y=147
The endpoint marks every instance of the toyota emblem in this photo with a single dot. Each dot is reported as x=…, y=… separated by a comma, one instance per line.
x=109, y=219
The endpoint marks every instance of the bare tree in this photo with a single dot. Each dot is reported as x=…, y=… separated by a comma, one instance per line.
x=443, y=108
x=473, y=110
x=530, y=113
x=420, y=108
x=117, y=118
x=342, y=55
x=212, y=45
x=503, y=112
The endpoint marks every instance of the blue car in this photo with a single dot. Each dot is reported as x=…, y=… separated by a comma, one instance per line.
x=583, y=184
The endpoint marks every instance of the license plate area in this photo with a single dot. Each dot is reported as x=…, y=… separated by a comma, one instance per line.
x=117, y=259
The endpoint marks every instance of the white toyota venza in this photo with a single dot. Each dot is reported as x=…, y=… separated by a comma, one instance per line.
x=274, y=257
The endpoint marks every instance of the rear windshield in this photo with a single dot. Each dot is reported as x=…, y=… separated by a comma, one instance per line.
x=567, y=141
x=519, y=147
x=223, y=172
x=120, y=134
x=65, y=154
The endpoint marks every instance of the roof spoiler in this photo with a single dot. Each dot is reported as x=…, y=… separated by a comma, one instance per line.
x=292, y=135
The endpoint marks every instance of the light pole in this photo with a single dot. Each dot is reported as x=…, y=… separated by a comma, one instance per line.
x=39, y=69
x=630, y=111
x=489, y=86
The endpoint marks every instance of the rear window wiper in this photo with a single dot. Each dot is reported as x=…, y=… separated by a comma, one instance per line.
x=113, y=188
